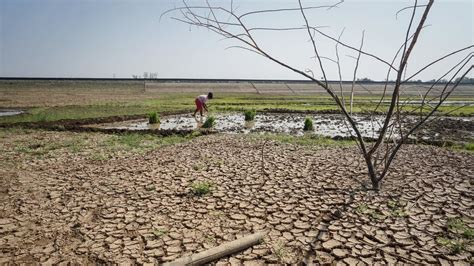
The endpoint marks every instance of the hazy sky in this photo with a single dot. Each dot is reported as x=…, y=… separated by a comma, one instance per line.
x=103, y=38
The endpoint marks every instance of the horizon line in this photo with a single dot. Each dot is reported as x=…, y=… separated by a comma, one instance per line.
x=211, y=80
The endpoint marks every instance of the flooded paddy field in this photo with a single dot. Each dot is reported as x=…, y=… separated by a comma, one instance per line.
x=325, y=124
x=328, y=125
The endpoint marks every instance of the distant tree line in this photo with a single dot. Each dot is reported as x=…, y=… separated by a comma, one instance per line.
x=464, y=80
x=146, y=75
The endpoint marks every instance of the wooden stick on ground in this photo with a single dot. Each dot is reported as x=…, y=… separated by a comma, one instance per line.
x=218, y=252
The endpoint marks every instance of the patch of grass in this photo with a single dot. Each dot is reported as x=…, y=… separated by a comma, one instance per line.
x=75, y=145
x=153, y=118
x=377, y=215
x=29, y=149
x=98, y=157
x=210, y=122
x=308, y=124
x=179, y=173
x=211, y=240
x=457, y=237
x=468, y=233
x=250, y=115
x=396, y=208
x=392, y=204
x=454, y=245
x=150, y=188
x=365, y=210
x=201, y=188
x=133, y=139
x=457, y=226
x=197, y=167
x=99, y=104
x=5, y=132
x=43, y=148
x=399, y=213
x=280, y=250
x=469, y=146
x=159, y=232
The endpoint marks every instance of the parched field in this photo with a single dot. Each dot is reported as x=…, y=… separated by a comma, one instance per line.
x=132, y=198
x=95, y=198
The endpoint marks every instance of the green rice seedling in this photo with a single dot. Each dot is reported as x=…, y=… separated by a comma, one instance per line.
x=153, y=118
x=250, y=115
x=308, y=124
x=210, y=122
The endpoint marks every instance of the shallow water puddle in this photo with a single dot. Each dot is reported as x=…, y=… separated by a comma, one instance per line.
x=324, y=124
x=10, y=112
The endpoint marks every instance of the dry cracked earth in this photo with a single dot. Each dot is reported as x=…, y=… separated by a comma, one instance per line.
x=73, y=205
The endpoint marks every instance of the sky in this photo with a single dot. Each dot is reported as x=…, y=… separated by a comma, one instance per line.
x=121, y=38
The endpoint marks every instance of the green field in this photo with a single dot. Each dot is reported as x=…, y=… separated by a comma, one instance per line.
x=56, y=100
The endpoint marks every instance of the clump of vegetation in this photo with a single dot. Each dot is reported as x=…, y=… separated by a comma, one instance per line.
x=98, y=157
x=201, y=188
x=457, y=237
x=150, y=188
x=469, y=146
x=280, y=251
x=308, y=124
x=454, y=245
x=159, y=232
x=365, y=210
x=153, y=118
x=457, y=226
x=250, y=115
x=210, y=122
x=396, y=208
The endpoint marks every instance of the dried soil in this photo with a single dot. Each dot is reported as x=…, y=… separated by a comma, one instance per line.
x=139, y=207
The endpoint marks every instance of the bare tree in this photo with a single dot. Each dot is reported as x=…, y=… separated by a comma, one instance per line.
x=394, y=129
x=153, y=75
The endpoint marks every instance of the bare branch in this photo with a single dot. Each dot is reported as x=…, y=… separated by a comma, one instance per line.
x=289, y=9
x=355, y=49
x=404, y=58
x=282, y=29
x=326, y=58
x=339, y=70
x=245, y=48
x=438, y=60
x=389, y=70
x=314, y=44
x=395, y=93
x=355, y=73
x=401, y=141
x=408, y=7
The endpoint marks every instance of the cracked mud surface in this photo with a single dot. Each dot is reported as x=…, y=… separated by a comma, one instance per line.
x=68, y=204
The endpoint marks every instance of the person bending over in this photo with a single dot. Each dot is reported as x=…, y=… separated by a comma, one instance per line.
x=201, y=101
